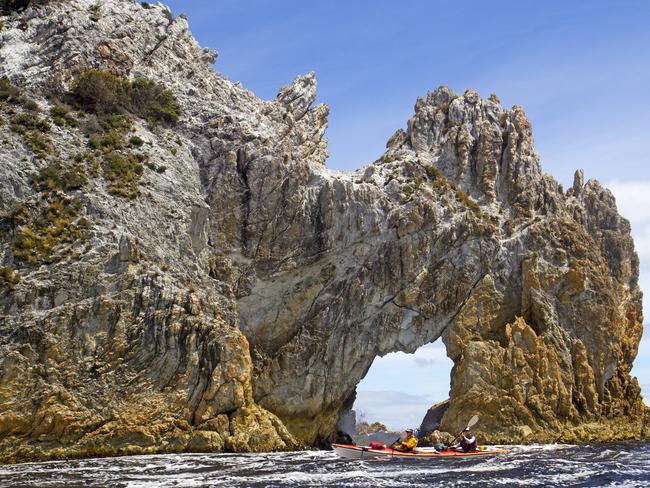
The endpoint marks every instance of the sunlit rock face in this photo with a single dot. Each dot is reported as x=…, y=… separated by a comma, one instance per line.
x=235, y=300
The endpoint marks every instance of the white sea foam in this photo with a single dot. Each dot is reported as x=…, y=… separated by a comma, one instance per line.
x=536, y=465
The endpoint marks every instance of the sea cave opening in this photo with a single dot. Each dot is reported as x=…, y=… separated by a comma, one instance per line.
x=399, y=388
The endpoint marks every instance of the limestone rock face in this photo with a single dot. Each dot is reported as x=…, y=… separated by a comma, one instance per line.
x=237, y=297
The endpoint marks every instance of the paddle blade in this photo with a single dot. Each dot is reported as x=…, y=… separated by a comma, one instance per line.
x=472, y=422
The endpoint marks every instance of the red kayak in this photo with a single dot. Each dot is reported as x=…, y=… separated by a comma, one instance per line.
x=364, y=452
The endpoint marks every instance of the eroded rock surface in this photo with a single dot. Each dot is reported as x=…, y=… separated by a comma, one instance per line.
x=235, y=299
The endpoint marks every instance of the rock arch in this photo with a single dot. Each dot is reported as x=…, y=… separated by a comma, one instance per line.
x=248, y=279
x=453, y=232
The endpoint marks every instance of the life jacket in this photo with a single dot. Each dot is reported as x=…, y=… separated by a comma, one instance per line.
x=468, y=443
x=407, y=445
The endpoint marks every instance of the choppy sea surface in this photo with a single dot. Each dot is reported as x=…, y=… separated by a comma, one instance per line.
x=625, y=464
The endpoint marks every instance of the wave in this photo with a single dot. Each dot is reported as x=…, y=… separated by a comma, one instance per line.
x=622, y=464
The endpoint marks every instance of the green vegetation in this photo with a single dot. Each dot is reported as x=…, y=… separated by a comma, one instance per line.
x=61, y=116
x=135, y=141
x=123, y=173
x=112, y=140
x=104, y=92
x=9, y=6
x=37, y=240
x=48, y=227
x=440, y=184
x=31, y=105
x=432, y=172
x=151, y=101
x=55, y=177
x=29, y=121
x=8, y=91
x=95, y=12
x=52, y=221
x=19, y=215
x=34, y=131
x=100, y=91
x=8, y=278
x=116, y=122
x=467, y=201
x=91, y=161
x=110, y=150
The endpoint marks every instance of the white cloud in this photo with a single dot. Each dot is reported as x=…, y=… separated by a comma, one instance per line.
x=426, y=371
x=425, y=356
x=396, y=409
x=431, y=355
x=399, y=388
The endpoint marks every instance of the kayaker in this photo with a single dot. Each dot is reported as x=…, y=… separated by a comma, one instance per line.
x=468, y=441
x=407, y=444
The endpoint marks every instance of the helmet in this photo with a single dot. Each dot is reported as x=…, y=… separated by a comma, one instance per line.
x=409, y=431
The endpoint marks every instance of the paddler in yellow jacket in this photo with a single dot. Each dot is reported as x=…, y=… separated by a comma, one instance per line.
x=407, y=444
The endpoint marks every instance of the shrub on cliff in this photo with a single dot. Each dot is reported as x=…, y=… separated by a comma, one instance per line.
x=152, y=101
x=123, y=173
x=34, y=132
x=100, y=91
x=44, y=233
x=8, y=278
x=104, y=92
x=56, y=177
x=7, y=90
x=61, y=116
x=9, y=6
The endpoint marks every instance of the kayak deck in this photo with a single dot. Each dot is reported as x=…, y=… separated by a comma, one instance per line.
x=363, y=452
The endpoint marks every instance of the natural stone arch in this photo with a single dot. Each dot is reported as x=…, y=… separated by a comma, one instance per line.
x=132, y=345
x=453, y=232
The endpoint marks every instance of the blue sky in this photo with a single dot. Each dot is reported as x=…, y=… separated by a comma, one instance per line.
x=580, y=69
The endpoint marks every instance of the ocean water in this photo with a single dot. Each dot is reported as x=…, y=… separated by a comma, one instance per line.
x=621, y=465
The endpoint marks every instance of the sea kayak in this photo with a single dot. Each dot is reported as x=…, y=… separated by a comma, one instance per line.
x=364, y=452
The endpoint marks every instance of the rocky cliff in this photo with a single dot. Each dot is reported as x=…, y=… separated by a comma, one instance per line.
x=184, y=273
